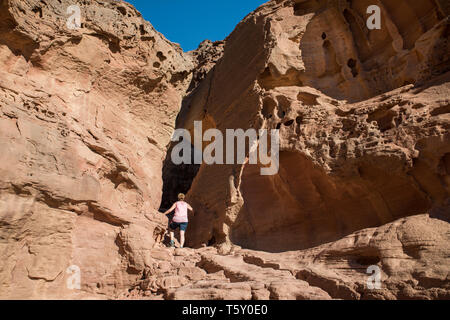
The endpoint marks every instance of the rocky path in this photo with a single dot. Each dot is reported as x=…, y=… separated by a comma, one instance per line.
x=336, y=270
x=86, y=120
x=204, y=274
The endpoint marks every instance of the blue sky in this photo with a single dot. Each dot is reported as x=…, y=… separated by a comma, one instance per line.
x=189, y=22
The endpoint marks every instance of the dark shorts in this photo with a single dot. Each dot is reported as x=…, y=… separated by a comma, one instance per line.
x=175, y=225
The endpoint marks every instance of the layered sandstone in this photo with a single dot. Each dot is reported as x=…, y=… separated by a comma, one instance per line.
x=364, y=124
x=364, y=179
x=86, y=116
x=413, y=253
x=350, y=158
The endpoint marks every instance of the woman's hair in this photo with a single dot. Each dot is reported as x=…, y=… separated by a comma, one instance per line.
x=181, y=197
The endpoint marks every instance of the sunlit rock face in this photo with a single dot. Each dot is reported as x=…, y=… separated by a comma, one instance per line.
x=327, y=45
x=363, y=118
x=87, y=116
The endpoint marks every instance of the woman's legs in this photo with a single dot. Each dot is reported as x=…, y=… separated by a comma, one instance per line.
x=172, y=239
x=172, y=229
x=182, y=238
x=172, y=234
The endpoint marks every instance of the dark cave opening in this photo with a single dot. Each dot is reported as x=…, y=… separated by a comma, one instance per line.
x=176, y=179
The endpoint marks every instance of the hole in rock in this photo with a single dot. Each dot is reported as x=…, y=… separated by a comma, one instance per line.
x=289, y=123
x=384, y=118
x=161, y=56
x=441, y=110
x=307, y=98
x=211, y=241
x=305, y=7
x=114, y=46
x=142, y=29
x=367, y=261
x=284, y=104
x=269, y=106
x=412, y=20
x=75, y=40
x=412, y=250
x=122, y=10
x=357, y=259
x=268, y=81
x=38, y=11
x=398, y=120
x=352, y=65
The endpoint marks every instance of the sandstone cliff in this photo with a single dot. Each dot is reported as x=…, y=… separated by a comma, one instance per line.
x=86, y=120
x=364, y=124
x=86, y=116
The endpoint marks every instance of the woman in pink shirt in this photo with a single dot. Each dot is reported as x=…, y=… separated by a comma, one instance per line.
x=180, y=219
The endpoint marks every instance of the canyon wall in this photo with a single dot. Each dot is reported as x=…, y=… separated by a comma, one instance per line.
x=87, y=117
x=364, y=125
x=363, y=119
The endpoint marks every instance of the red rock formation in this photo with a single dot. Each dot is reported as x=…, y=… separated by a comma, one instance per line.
x=363, y=119
x=86, y=116
x=343, y=166
x=86, y=119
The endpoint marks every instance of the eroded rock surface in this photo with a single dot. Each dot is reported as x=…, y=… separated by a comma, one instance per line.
x=86, y=118
x=364, y=125
x=411, y=253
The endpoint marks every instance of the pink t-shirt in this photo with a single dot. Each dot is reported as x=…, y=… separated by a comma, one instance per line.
x=181, y=212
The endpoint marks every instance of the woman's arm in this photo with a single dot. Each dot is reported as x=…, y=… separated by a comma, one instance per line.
x=171, y=209
x=189, y=207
